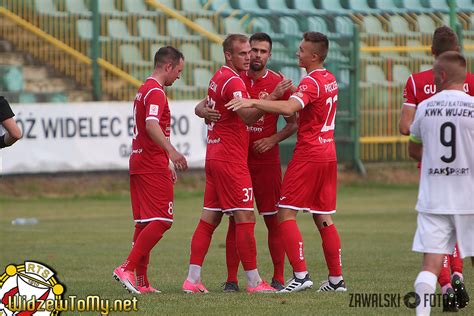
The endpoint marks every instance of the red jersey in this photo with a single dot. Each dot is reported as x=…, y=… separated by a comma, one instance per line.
x=150, y=104
x=420, y=86
x=317, y=93
x=267, y=125
x=227, y=139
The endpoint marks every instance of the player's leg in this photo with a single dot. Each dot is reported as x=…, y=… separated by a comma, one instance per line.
x=444, y=278
x=464, y=248
x=425, y=283
x=247, y=250
x=435, y=236
x=294, y=248
x=232, y=258
x=200, y=242
x=457, y=279
x=277, y=250
x=266, y=181
x=331, y=244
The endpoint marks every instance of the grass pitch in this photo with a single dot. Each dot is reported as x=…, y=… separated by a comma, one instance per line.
x=85, y=238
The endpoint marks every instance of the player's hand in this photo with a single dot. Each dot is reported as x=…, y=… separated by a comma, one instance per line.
x=179, y=161
x=174, y=175
x=211, y=115
x=240, y=103
x=264, y=144
x=281, y=88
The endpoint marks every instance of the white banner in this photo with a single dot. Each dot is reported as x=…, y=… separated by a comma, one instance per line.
x=92, y=136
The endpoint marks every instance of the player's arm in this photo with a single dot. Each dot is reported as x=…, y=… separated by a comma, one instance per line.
x=409, y=107
x=415, y=142
x=406, y=119
x=280, y=90
x=12, y=134
x=267, y=143
x=205, y=112
x=156, y=134
x=415, y=149
x=287, y=108
x=250, y=116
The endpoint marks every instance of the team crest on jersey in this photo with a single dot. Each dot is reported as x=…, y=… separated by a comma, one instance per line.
x=303, y=87
x=238, y=94
x=25, y=288
x=154, y=109
x=262, y=95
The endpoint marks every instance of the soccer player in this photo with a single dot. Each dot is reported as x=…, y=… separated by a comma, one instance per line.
x=263, y=158
x=419, y=87
x=13, y=132
x=310, y=181
x=442, y=139
x=228, y=183
x=152, y=173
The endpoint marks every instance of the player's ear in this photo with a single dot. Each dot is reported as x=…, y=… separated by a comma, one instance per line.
x=228, y=55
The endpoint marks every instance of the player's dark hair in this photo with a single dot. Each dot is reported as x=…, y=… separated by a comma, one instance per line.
x=321, y=41
x=168, y=55
x=444, y=40
x=261, y=37
x=228, y=44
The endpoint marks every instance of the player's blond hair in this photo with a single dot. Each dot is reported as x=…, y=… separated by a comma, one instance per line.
x=228, y=44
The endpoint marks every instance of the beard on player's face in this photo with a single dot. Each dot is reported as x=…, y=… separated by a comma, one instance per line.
x=257, y=66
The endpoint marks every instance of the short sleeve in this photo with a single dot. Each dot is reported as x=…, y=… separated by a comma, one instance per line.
x=415, y=130
x=6, y=111
x=307, y=92
x=409, y=93
x=235, y=89
x=155, y=104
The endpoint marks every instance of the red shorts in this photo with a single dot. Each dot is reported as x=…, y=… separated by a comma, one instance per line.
x=152, y=197
x=310, y=187
x=228, y=187
x=266, y=182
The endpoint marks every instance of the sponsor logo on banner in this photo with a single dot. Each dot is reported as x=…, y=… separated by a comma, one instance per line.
x=154, y=109
x=93, y=136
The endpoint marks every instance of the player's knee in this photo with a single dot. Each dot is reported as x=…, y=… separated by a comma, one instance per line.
x=285, y=214
x=244, y=217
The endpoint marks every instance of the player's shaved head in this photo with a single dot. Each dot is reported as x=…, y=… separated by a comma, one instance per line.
x=449, y=69
x=444, y=40
x=228, y=44
x=320, y=43
x=168, y=55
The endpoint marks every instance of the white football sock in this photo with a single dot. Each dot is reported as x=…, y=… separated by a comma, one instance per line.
x=301, y=275
x=194, y=274
x=425, y=285
x=253, y=278
x=335, y=279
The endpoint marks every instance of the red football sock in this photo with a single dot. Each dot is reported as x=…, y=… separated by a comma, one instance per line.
x=246, y=246
x=456, y=261
x=445, y=273
x=275, y=245
x=138, y=230
x=332, y=249
x=293, y=243
x=145, y=242
x=200, y=242
x=142, y=269
x=231, y=256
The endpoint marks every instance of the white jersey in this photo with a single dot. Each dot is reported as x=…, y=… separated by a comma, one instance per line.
x=444, y=124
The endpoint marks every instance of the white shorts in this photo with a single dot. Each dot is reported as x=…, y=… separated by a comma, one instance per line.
x=438, y=233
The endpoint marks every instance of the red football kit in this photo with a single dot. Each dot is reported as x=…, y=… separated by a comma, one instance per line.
x=264, y=168
x=420, y=86
x=311, y=178
x=228, y=182
x=151, y=185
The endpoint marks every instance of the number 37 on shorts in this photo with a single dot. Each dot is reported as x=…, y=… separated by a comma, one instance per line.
x=248, y=194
